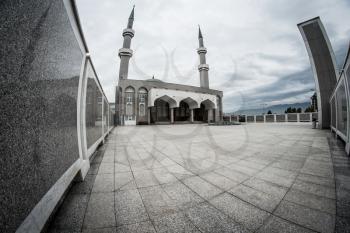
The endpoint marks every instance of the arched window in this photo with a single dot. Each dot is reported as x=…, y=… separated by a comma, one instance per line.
x=142, y=98
x=129, y=101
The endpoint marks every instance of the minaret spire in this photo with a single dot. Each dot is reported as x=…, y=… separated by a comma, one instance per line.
x=203, y=67
x=200, y=37
x=125, y=53
x=131, y=18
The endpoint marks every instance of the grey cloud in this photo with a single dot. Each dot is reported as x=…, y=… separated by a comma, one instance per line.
x=260, y=36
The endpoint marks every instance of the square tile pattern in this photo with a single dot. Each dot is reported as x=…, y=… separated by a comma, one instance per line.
x=199, y=178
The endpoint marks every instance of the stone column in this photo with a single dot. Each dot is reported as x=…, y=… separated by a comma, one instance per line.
x=149, y=115
x=209, y=115
x=171, y=115
x=191, y=112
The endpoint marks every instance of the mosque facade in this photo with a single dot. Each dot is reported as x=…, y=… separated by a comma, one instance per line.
x=153, y=101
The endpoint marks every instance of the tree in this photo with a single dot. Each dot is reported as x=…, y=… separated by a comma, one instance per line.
x=299, y=110
x=290, y=110
x=309, y=109
x=269, y=112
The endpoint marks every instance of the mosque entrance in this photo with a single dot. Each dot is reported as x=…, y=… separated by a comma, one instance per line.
x=160, y=112
x=200, y=114
x=182, y=113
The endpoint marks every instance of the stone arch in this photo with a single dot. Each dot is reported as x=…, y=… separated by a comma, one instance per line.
x=172, y=102
x=208, y=104
x=191, y=102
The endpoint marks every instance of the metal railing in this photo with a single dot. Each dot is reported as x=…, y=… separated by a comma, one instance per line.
x=272, y=118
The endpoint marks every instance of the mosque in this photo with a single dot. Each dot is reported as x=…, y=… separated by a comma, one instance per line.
x=153, y=101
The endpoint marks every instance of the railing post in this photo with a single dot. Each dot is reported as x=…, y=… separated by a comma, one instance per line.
x=246, y=119
x=286, y=117
x=298, y=117
x=274, y=118
x=230, y=118
x=254, y=118
x=264, y=118
x=310, y=117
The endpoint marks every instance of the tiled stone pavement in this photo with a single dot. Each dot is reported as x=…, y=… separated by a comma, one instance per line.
x=197, y=178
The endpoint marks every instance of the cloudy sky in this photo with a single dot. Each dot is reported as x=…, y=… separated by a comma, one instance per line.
x=255, y=52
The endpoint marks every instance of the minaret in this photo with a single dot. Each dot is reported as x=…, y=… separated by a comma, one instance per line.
x=125, y=53
x=203, y=67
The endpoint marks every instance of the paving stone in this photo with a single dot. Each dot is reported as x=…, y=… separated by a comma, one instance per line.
x=100, y=211
x=145, y=178
x=120, y=167
x=84, y=187
x=275, y=178
x=157, y=202
x=241, y=212
x=100, y=230
x=309, y=218
x=278, y=225
x=124, y=181
x=342, y=224
x=218, y=180
x=312, y=201
x=141, y=227
x=266, y=187
x=320, y=190
x=316, y=179
x=231, y=174
x=182, y=195
x=201, y=187
x=104, y=183
x=257, y=198
x=129, y=207
x=208, y=219
x=174, y=222
x=71, y=213
x=163, y=176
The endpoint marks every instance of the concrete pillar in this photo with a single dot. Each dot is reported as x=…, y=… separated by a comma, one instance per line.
x=149, y=115
x=298, y=117
x=230, y=118
x=264, y=118
x=191, y=112
x=171, y=115
x=286, y=117
x=274, y=118
x=254, y=118
x=310, y=117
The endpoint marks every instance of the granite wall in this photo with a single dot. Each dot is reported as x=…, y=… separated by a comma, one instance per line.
x=40, y=65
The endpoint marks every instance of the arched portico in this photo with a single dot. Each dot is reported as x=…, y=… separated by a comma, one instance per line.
x=183, y=112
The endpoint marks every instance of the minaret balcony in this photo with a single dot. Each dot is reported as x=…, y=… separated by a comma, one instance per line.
x=202, y=50
x=128, y=32
x=203, y=67
x=125, y=52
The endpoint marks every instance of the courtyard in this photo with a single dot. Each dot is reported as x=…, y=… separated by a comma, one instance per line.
x=276, y=177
